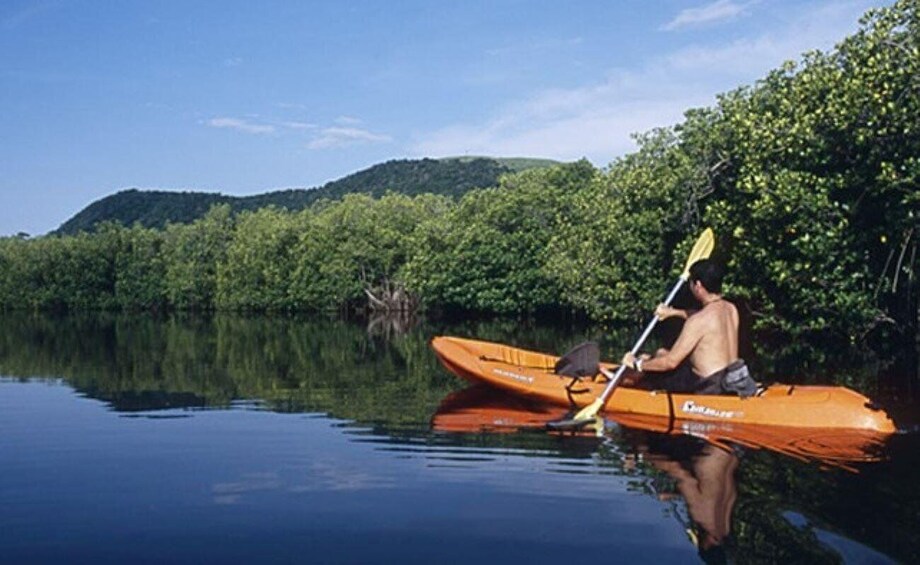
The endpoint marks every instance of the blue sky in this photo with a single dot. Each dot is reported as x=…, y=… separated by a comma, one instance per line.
x=244, y=97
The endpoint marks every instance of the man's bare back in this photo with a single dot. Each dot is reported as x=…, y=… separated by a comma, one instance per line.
x=712, y=337
x=708, y=340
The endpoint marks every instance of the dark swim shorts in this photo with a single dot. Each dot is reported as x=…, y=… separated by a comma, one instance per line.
x=734, y=379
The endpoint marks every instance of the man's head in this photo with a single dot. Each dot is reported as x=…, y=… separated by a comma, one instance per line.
x=708, y=273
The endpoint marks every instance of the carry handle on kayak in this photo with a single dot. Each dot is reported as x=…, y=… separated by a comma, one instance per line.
x=701, y=250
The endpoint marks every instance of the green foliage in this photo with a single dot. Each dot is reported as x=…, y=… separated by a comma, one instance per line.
x=356, y=243
x=192, y=253
x=489, y=253
x=818, y=191
x=148, y=208
x=451, y=177
x=612, y=254
x=810, y=178
x=510, y=164
x=260, y=254
x=140, y=270
x=56, y=273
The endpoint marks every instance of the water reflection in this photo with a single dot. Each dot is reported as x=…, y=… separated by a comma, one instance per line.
x=391, y=324
x=778, y=497
x=693, y=469
x=484, y=409
x=289, y=365
x=703, y=474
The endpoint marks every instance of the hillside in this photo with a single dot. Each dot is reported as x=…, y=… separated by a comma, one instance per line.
x=451, y=176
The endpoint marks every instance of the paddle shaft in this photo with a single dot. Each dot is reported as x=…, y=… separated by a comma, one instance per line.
x=648, y=330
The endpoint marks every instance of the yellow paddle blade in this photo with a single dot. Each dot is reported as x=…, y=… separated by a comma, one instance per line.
x=590, y=411
x=701, y=250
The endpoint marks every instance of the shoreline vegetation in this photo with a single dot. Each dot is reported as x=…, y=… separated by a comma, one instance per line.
x=809, y=179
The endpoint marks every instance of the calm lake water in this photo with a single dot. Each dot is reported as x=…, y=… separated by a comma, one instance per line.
x=231, y=439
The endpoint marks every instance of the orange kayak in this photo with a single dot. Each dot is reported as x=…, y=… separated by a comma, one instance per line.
x=530, y=374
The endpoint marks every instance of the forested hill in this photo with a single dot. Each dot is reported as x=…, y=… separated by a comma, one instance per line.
x=451, y=176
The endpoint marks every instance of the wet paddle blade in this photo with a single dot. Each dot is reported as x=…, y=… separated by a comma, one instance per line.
x=584, y=417
x=578, y=422
x=590, y=411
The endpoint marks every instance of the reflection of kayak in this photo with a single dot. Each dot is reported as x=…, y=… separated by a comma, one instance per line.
x=831, y=446
x=477, y=409
x=530, y=375
x=483, y=409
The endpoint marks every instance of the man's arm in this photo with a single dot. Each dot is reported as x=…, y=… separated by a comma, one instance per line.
x=689, y=337
x=663, y=311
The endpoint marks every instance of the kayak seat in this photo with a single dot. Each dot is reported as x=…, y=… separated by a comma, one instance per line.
x=582, y=361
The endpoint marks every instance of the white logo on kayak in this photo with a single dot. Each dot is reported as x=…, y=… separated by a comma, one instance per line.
x=691, y=407
x=515, y=376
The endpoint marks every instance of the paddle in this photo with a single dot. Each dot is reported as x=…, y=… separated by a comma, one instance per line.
x=701, y=250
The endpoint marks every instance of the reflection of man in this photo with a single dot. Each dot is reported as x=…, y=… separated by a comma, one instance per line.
x=704, y=359
x=708, y=488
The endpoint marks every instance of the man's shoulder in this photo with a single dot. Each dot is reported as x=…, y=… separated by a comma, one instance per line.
x=710, y=314
x=698, y=321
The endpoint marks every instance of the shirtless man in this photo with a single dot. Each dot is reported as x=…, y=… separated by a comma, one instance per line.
x=708, y=342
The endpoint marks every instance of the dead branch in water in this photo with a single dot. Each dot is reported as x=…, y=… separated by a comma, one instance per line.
x=391, y=296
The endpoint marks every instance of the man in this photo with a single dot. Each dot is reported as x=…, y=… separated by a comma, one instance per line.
x=704, y=359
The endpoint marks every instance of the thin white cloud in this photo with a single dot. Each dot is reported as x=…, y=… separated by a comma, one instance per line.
x=820, y=28
x=323, y=138
x=240, y=125
x=299, y=125
x=325, y=476
x=597, y=121
x=718, y=11
x=594, y=122
x=233, y=61
x=335, y=137
x=348, y=121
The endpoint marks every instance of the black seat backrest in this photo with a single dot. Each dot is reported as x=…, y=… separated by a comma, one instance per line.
x=583, y=360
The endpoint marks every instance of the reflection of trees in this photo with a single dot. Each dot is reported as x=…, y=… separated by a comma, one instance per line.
x=878, y=505
x=391, y=323
x=143, y=363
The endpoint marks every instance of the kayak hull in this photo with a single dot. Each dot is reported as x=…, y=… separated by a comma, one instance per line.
x=530, y=374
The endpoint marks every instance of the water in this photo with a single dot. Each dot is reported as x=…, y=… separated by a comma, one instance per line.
x=228, y=439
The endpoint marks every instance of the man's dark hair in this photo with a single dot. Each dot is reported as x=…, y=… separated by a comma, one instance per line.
x=709, y=273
